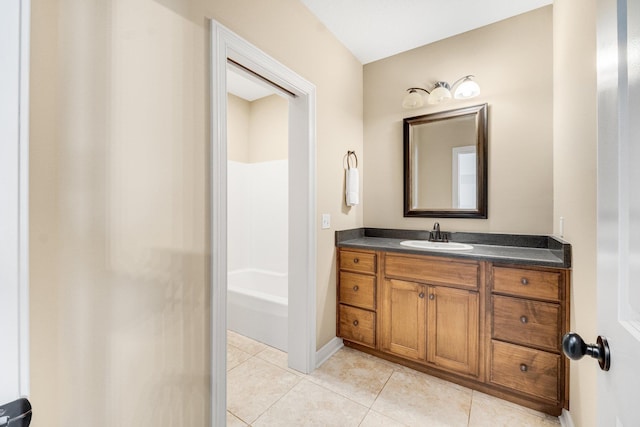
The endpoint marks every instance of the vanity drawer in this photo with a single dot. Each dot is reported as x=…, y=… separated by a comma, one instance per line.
x=358, y=261
x=527, y=283
x=533, y=372
x=433, y=271
x=357, y=289
x=357, y=325
x=527, y=322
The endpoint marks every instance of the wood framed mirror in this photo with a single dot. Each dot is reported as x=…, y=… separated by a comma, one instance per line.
x=445, y=164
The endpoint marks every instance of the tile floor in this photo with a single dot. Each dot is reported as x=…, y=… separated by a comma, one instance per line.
x=354, y=389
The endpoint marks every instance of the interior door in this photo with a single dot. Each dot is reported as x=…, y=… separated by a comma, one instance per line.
x=14, y=333
x=619, y=209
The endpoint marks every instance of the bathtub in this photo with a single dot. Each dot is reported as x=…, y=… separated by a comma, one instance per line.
x=257, y=306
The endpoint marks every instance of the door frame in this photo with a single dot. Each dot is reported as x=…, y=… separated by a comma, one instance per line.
x=14, y=200
x=302, y=207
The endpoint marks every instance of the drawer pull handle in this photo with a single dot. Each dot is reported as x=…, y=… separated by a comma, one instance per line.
x=523, y=319
x=523, y=367
x=432, y=297
x=355, y=288
x=421, y=295
x=355, y=323
x=356, y=260
x=524, y=281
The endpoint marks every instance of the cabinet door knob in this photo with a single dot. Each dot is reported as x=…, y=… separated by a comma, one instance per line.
x=523, y=367
x=524, y=319
x=356, y=260
x=355, y=323
x=355, y=288
x=432, y=297
x=524, y=281
x=421, y=295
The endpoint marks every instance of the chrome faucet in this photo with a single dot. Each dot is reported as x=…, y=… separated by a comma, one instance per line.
x=436, y=235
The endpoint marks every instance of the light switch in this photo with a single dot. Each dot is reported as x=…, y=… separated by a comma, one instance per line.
x=326, y=221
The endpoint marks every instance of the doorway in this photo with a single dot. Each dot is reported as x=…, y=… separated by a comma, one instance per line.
x=257, y=209
x=227, y=46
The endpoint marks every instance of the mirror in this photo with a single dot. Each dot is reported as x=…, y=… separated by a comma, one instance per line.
x=445, y=164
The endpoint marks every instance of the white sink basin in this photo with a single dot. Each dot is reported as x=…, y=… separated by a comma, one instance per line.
x=436, y=246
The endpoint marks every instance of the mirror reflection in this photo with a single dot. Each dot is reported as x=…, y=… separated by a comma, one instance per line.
x=445, y=164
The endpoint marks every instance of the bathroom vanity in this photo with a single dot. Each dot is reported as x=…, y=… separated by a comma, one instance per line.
x=490, y=318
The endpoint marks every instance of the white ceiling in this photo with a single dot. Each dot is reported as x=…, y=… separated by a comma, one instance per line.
x=376, y=29
x=246, y=87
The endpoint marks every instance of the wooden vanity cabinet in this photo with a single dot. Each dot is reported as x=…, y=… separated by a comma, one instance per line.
x=493, y=327
x=403, y=319
x=357, y=284
x=453, y=329
x=430, y=311
x=528, y=313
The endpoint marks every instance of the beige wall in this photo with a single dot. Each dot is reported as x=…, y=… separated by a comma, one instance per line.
x=257, y=131
x=119, y=147
x=119, y=141
x=575, y=136
x=512, y=62
x=269, y=129
x=238, y=122
x=286, y=30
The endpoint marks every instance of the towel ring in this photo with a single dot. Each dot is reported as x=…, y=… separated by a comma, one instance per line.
x=351, y=154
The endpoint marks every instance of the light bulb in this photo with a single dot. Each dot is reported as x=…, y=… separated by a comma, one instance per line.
x=412, y=100
x=467, y=89
x=440, y=93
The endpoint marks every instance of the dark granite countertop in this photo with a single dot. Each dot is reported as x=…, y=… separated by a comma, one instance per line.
x=544, y=251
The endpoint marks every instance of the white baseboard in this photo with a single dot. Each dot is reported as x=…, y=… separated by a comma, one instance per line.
x=565, y=419
x=328, y=350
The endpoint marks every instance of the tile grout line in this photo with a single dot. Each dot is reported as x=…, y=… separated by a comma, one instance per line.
x=470, y=408
x=335, y=392
x=393, y=371
x=255, y=356
x=311, y=380
x=368, y=408
x=238, y=417
x=299, y=374
x=251, y=356
x=279, y=399
x=237, y=366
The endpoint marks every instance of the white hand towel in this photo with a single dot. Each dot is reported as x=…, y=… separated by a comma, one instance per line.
x=352, y=187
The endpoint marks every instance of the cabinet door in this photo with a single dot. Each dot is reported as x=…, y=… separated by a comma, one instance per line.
x=452, y=337
x=402, y=317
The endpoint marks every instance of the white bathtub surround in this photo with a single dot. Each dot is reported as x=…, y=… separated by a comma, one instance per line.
x=257, y=306
x=258, y=251
x=258, y=220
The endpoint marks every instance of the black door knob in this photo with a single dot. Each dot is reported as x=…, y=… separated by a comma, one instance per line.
x=575, y=348
x=16, y=413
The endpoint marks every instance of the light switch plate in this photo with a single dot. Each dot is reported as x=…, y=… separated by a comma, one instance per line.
x=326, y=221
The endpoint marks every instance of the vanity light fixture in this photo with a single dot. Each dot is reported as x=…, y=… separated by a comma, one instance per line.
x=464, y=88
